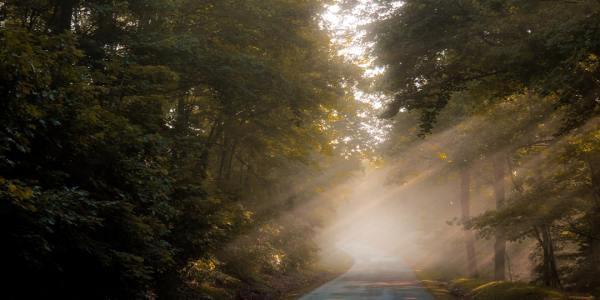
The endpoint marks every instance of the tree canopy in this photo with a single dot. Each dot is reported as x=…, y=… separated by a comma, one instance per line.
x=147, y=144
x=507, y=90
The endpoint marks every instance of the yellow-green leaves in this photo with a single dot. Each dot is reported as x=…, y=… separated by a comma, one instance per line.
x=442, y=156
x=590, y=63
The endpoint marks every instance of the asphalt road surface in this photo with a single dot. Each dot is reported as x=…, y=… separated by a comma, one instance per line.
x=384, y=278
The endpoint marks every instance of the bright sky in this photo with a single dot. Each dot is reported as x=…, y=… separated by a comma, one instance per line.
x=347, y=31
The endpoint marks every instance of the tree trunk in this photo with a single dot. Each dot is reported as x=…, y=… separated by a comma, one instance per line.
x=180, y=130
x=500, y=243
x=204, y=157
x=64, y=15
x=223, y=157
x=231, y=154
x=549, y=268
x=553, y=278
x=593, y=162
x=465, y=202
x=182, y=117
x=106, y=28
x=241, y=176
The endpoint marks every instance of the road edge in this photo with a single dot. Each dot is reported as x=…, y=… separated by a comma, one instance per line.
x=322, y=274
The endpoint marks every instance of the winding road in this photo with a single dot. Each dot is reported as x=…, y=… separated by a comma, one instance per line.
x=383, y=278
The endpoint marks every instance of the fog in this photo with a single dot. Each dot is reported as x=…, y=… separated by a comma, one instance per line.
x=415, y=222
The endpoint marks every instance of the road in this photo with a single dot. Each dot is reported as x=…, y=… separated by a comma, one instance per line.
x=382, y=278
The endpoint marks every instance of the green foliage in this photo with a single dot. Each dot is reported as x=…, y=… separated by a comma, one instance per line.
x=432, y=49
x=82, y=187
x=511, y=84
x=145, y=146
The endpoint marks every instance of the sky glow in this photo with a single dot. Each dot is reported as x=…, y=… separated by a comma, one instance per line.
x=347, y=30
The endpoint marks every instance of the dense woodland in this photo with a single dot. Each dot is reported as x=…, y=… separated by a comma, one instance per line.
x=147, y=146
x=183, y=149
x=506, y=96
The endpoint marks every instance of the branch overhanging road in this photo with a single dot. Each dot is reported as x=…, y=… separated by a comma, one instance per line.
x=383, y=278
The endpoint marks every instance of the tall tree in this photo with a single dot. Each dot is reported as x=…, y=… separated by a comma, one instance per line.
x=465, y=205
x=142, y=140
x=435, y=52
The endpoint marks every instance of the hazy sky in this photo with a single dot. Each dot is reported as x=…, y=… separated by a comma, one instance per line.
x=347, y=32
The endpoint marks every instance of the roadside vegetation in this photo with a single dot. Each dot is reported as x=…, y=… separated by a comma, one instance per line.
x=501, y=100
x=167, y=149
x=328, y=267
x=481, y=289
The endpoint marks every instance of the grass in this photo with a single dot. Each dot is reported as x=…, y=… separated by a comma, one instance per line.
x=481, y=289
x=438, y=289
x=502, y=290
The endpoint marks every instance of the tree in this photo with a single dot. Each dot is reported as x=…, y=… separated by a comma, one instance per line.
x=436, y=51
x=142, y=138
x=465, y=204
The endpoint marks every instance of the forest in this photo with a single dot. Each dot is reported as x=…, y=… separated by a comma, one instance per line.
x=231, y=149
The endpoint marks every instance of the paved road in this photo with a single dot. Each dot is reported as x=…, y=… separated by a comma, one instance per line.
x=378, y=279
